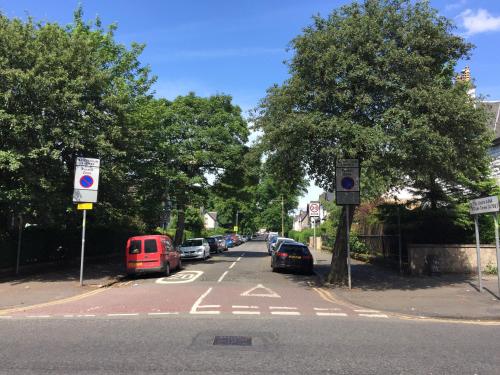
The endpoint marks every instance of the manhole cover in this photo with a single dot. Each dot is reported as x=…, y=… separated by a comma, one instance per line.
x=233, y=340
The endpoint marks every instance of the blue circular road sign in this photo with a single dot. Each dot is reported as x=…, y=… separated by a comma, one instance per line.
x=347, y=183
x=86, y=181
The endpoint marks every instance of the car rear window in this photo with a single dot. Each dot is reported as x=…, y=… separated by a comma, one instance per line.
x=192, y=243
x=135, y=247
x=150, y=246
x=294, y=249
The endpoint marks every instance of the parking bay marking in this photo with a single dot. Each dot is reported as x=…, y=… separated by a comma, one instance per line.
x=181, y=277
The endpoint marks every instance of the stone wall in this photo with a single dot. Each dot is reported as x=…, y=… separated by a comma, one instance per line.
x=318, y=243
x=452, y=258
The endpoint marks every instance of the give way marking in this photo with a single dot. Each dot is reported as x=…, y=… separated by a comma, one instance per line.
x=181, y=277
x=268, y=292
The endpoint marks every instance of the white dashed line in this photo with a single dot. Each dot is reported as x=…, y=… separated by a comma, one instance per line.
x=285, y=313
x=208, y=306
x=38, y=316
x=232, y=265
x=326, y=309
x=122, y=314
x=222, y=277
x=281, y=308
x=206, y=312
x=244, y=307
x=5, y=317
x=88, y=315
x=163, y=313
x=374, y=315
x=68, y=316
x=330, y=314
x=246, y=312
x=238, y=259
x=367, y=311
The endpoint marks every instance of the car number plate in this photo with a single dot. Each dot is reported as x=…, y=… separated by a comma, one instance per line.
x=295, y=257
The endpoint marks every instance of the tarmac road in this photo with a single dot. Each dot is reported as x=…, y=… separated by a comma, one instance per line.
x=168, y=325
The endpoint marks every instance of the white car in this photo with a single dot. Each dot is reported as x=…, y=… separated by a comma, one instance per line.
x=195, y=248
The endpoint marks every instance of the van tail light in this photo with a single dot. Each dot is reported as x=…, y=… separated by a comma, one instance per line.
x=281, y=255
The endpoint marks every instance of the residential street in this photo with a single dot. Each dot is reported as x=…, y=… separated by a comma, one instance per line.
x=168, y=325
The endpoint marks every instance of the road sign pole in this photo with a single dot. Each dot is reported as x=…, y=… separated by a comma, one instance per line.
x=83, y=246
x=497, y=242
x=314, y=234
x=478, y=251
x=19, y=241
x=348, y=247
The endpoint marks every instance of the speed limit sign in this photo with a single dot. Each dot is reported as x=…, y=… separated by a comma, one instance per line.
x=314, y=209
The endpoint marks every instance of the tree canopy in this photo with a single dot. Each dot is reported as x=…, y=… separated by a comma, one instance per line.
x=375, y=81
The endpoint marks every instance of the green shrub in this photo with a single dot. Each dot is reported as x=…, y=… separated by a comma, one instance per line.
x=491, y=269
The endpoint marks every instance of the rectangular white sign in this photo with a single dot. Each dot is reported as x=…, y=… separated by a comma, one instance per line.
x=87, y=174
x=484, y=205
x=314, y=209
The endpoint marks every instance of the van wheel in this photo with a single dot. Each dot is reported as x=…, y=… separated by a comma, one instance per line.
x=179, y=265
x=167, y=270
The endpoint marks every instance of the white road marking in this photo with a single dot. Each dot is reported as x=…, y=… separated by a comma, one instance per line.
x=232, y=265
x=374, y=315
x=5, y=317
x=367, y=311
x=222, y=277
x=238, y=259
x=122, y=314
x=68, y=316
x=197, y=304
x=206, y=312
x=282, y=308
x=38, y=316
x=246, y=312
x=208, y=306
x=330, y=314
x=88, y=316
x=326, y=309
x=285, y=313
x=181, y=277
x=244, y=307
x=163, y=313
x=270, y=293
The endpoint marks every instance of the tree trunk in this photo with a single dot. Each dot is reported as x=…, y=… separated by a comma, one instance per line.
x=338, y=270
x=181, y=218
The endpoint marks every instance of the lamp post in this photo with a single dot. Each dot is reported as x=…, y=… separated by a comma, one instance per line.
x=282, y=216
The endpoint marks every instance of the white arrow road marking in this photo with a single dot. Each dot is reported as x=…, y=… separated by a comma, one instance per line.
x=180, y=277
x=270, y=293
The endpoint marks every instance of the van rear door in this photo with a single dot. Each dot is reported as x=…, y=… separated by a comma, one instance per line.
x=151, y=256
x=134, y=249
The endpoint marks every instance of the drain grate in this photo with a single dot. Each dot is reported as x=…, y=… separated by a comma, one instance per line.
x=233, y=340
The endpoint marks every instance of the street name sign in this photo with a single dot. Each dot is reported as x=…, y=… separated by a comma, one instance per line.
x=314, y=208
x=484, y=205
x=347, y=190
x=86, y=181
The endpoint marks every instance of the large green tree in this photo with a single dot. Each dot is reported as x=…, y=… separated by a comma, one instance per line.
x=65, y=92
x=374, y=81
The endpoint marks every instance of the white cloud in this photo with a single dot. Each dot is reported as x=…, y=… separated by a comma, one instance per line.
x=479, y=22
x=456, y=5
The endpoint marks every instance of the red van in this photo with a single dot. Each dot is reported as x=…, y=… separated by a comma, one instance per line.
x=155, y=253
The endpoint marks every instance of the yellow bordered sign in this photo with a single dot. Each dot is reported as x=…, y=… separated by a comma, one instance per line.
x=84, y=206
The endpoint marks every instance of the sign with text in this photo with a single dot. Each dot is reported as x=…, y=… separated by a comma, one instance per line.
x=347, y=182
x=86, y=181
x=484, y=205
x=314, y=209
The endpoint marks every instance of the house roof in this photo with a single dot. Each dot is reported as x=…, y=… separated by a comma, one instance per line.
x=494, y=124
x=301, y=216
x=213, y=215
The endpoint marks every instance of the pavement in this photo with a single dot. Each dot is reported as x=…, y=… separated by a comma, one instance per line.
x=49, y=282
x=447, y=296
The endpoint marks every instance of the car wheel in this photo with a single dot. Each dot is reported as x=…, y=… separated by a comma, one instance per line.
x=179, y=265
x=167, y=270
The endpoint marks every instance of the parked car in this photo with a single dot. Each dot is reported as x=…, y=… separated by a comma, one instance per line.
x=292, y=256
x=222, y=242
x=229, y=242
x=195, y=248
x=154, y=253
x=213, y=244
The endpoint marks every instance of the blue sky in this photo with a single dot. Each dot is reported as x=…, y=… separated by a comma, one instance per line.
x=238, y=47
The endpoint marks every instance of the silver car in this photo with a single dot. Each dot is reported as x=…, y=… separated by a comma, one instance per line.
x=195, y=248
